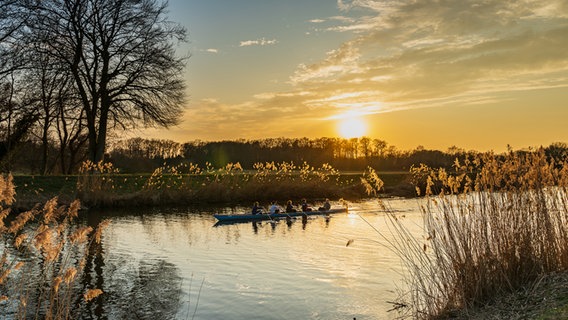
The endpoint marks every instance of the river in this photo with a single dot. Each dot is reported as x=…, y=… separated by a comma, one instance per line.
x=178, y=264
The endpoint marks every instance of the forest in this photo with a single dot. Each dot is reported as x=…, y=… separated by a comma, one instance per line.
x=138, y=155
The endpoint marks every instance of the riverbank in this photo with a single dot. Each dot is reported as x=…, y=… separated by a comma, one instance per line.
x=119, y=190
x=545, y=299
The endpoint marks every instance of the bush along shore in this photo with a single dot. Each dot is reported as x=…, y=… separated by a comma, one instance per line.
x=101, y=185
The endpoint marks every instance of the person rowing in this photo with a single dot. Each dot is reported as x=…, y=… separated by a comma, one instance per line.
x=326, y=206
x=256, y=208
x=274, y=208
x=305, y=206
x=290, y=207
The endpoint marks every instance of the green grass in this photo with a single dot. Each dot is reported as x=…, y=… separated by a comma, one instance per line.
x=558, y=311
x=44, y=187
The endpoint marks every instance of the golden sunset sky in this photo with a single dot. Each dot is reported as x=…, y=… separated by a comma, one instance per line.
x=479, y=75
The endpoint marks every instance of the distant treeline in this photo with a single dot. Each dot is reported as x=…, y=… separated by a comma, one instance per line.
x=140, y=155
x=356, y=154
x=137, y=155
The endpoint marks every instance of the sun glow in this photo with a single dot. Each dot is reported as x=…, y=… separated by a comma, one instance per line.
x=352, y=127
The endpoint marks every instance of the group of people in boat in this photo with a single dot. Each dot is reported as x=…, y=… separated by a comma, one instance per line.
x=275, y=208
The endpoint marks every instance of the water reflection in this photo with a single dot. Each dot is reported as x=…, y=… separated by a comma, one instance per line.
x=255, y=227
x=148, y=260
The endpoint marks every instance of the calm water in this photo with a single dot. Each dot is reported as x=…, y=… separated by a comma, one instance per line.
x=176, y=264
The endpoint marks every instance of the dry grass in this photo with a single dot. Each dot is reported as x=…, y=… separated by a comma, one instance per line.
x=544, y=299
x=187, y=184
x=496, y=224
x=42, y=256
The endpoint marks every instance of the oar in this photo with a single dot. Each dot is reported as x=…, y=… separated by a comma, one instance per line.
x=286, y=211
x=268, y=213
x=289, y=216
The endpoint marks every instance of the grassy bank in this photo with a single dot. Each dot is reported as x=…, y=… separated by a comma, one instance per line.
x=191, y=185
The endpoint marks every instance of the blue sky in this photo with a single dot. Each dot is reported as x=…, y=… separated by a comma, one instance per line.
x=247, y=47
x=475, y=74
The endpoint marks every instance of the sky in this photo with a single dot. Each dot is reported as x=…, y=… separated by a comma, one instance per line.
x=479, y=75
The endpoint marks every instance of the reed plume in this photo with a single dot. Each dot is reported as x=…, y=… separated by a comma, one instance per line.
x=188, y=183
x=493, y=225
x=42, y=251
x=92, y=294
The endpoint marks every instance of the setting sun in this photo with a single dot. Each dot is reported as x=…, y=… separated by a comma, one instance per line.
x=352, y=127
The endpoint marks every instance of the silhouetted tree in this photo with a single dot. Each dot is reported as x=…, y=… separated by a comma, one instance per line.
x=16, y=117
x=121, y=58
x=12, y=18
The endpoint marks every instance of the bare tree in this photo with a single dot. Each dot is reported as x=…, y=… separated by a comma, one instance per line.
x=13, y=15
x=365, y=143
x=16, y=116
x=380, y=147
x=122, y=61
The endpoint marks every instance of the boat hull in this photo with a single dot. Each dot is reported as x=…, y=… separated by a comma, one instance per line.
x=274, y=216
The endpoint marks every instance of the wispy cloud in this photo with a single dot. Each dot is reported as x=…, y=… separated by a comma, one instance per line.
x=258, y=42
x=338, y=61
x=212, y=50
x=417, y=52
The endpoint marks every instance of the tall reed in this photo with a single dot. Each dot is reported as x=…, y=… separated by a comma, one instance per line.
x=42, y=256
x=189, y=183
x=95, y=184
x=493, y=225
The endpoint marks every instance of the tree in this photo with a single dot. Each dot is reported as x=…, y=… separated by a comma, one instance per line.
x=380, y=147
x=17, y=115
x=365, y=143
x=121, y=58
x=11, y=21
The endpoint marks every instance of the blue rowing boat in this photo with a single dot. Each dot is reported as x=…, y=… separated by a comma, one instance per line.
x=274, y=216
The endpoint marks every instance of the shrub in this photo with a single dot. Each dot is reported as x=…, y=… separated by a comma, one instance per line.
x=188, y=183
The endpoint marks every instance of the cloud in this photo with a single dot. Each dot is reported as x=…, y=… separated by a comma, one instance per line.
x=338, y=61
x=258, y=42
x=270, y=114
x=212, y=50
x=418, y=53
x=408, y=54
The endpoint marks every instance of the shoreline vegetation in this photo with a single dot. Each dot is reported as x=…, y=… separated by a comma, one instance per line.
x=45, y=257
x=495, y=226
x=495, y=239
x=101, y=185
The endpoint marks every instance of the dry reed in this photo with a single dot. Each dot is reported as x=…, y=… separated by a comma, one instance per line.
x=41, y=259
x=189, y=183
x=494, y=225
